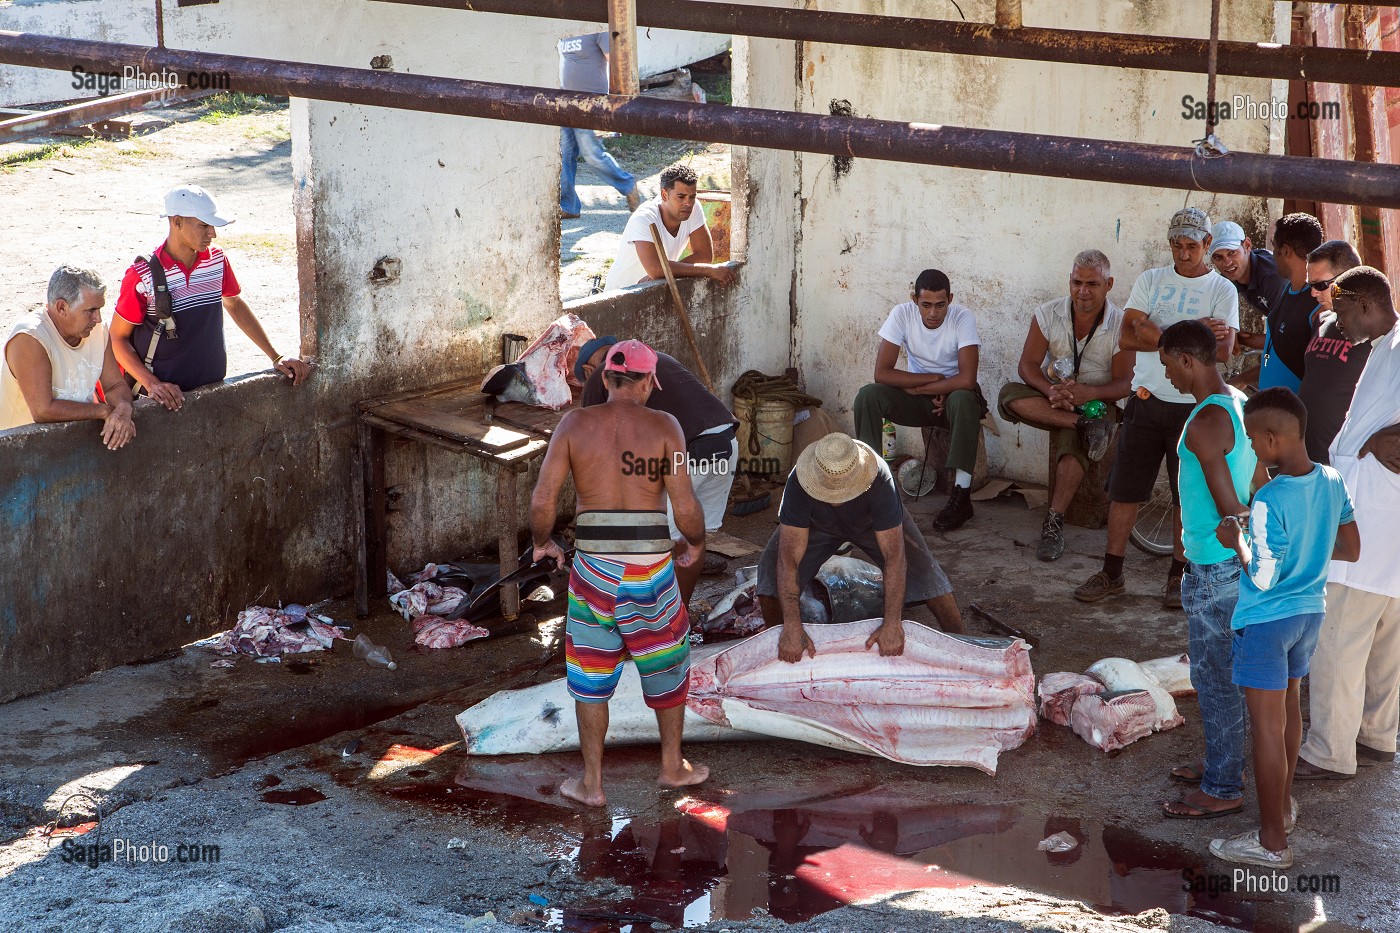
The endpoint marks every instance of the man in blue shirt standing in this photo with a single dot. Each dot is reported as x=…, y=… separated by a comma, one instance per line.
x=1217, y=467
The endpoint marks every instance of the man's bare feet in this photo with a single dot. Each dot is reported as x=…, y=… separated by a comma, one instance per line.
x=574, y=790
x=684, y=776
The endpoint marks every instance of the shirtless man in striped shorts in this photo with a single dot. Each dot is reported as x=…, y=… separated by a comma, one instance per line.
x=623, y=597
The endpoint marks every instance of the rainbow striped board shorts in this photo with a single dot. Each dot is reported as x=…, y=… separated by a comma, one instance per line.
x=616, y=610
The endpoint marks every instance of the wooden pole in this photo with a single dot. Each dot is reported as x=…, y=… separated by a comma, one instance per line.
x=680, y=309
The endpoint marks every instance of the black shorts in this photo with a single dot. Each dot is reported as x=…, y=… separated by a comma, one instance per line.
x=1150, y=431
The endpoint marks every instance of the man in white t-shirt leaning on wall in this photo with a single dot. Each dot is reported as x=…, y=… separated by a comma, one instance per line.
x=681, y=222
x=1188, y=289
x=938, y=390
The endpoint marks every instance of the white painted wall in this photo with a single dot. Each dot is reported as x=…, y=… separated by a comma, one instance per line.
x=1005, y=240
x=658, y=50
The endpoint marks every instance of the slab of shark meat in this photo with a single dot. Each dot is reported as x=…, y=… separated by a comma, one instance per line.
x=948, y=700
x=541, y=375
x=1059, y=692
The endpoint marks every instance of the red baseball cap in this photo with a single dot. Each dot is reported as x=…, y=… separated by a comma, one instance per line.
x=632, y=356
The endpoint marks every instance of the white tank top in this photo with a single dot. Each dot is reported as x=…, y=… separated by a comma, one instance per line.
x=76, y=370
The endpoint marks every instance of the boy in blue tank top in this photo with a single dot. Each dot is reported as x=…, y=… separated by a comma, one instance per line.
x=1216, y=472
x=1298, y=524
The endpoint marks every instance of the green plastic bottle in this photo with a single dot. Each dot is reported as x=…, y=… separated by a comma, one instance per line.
x=1094, y=408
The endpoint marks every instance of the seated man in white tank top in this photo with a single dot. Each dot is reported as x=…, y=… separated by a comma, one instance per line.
x=56, y=359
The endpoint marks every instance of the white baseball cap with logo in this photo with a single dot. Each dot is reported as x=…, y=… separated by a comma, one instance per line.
x=194, y=201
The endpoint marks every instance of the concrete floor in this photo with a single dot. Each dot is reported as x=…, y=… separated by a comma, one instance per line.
x=405, y=831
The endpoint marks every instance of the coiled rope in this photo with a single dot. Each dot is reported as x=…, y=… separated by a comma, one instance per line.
x=755, y=387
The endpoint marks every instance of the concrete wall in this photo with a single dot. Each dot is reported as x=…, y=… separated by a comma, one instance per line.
x=244, y=497
x=1005, y=240
x=126, y=21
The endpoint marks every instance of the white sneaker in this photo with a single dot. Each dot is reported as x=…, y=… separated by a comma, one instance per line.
x=1245, y=849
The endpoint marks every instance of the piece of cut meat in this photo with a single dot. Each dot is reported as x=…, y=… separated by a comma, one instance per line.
x=1059, y=691
x=1172, y=674
x=1112, y=720
x=544, y=371
x=436, y=632
x=1119, y=674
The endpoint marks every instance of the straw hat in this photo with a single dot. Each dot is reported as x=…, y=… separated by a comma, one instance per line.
x=837, y=468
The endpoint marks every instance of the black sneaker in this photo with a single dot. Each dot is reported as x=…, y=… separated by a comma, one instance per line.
x=1095, y=434
x=1052, y=537
x=957, y=510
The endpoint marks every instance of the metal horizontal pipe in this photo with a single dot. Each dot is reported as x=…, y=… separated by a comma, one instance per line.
x=1326, y=180
x=1080, y=47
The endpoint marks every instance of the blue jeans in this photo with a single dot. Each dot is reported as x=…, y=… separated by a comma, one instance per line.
x=572, y=142
x=1208, y=594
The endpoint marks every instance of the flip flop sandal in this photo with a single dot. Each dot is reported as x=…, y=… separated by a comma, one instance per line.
x=1200, y=814
x=1193, y=777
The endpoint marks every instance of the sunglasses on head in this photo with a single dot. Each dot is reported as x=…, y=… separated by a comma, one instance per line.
x=1323, y=285
x=1339, y=292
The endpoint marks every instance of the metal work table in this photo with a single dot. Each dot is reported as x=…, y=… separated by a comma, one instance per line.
x=457, y=416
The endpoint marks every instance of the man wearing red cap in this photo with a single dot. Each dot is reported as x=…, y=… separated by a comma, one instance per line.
x=626, y=459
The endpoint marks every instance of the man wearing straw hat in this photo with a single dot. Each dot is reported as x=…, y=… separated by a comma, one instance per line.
x=841, y=490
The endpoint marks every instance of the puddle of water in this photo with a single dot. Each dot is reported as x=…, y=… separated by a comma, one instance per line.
x=299, y=797
x=799, y=853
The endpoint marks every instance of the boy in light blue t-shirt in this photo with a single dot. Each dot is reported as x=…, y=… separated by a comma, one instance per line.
x=1299, y=522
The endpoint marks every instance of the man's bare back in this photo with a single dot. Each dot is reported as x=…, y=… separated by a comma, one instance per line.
x=621, y=454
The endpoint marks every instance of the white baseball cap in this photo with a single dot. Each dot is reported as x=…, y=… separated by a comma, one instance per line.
x=194, y=201
x=1226, y=235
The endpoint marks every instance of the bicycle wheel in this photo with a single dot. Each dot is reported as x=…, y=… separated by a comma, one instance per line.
x=1153, y=531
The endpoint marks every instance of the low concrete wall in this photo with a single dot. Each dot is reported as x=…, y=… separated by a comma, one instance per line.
x=244, y=498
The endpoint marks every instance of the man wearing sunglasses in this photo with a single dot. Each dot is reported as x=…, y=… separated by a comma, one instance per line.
x=1331, y=362
x=1354, y=679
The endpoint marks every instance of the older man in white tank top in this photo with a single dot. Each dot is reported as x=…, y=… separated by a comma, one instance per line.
x=56, y=358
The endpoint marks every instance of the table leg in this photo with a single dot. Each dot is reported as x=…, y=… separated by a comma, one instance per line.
x=508, y=537
x=376, y=522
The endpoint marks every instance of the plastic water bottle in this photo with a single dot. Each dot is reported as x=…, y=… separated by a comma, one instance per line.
x=375, y=655
x=887, y=440
x=1094, y=408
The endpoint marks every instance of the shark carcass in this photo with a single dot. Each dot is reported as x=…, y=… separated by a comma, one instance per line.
x=947, y=700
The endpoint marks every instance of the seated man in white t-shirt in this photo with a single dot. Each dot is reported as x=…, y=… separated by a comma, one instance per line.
x=676, y=215
x=938, y=390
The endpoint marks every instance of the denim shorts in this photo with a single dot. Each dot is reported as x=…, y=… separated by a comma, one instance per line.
x=1269, y=654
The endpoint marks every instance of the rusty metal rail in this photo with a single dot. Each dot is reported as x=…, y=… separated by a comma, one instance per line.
x=1329, y=180
x=1073, y=46
x=92, y=111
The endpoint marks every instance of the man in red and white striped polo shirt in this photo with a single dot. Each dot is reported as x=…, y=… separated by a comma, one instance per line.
x=202, y=286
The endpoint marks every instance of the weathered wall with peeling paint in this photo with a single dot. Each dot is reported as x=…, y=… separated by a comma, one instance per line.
x=1006, y=241
x=658, y=50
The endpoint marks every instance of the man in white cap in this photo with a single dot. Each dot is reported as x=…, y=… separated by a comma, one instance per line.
x=1157, y=411
x=1291, y=309
x=841, y=490
x=168, y=332
x=1254, y=272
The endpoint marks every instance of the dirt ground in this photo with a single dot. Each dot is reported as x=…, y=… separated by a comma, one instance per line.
x=339, y=797
x=98, y=204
